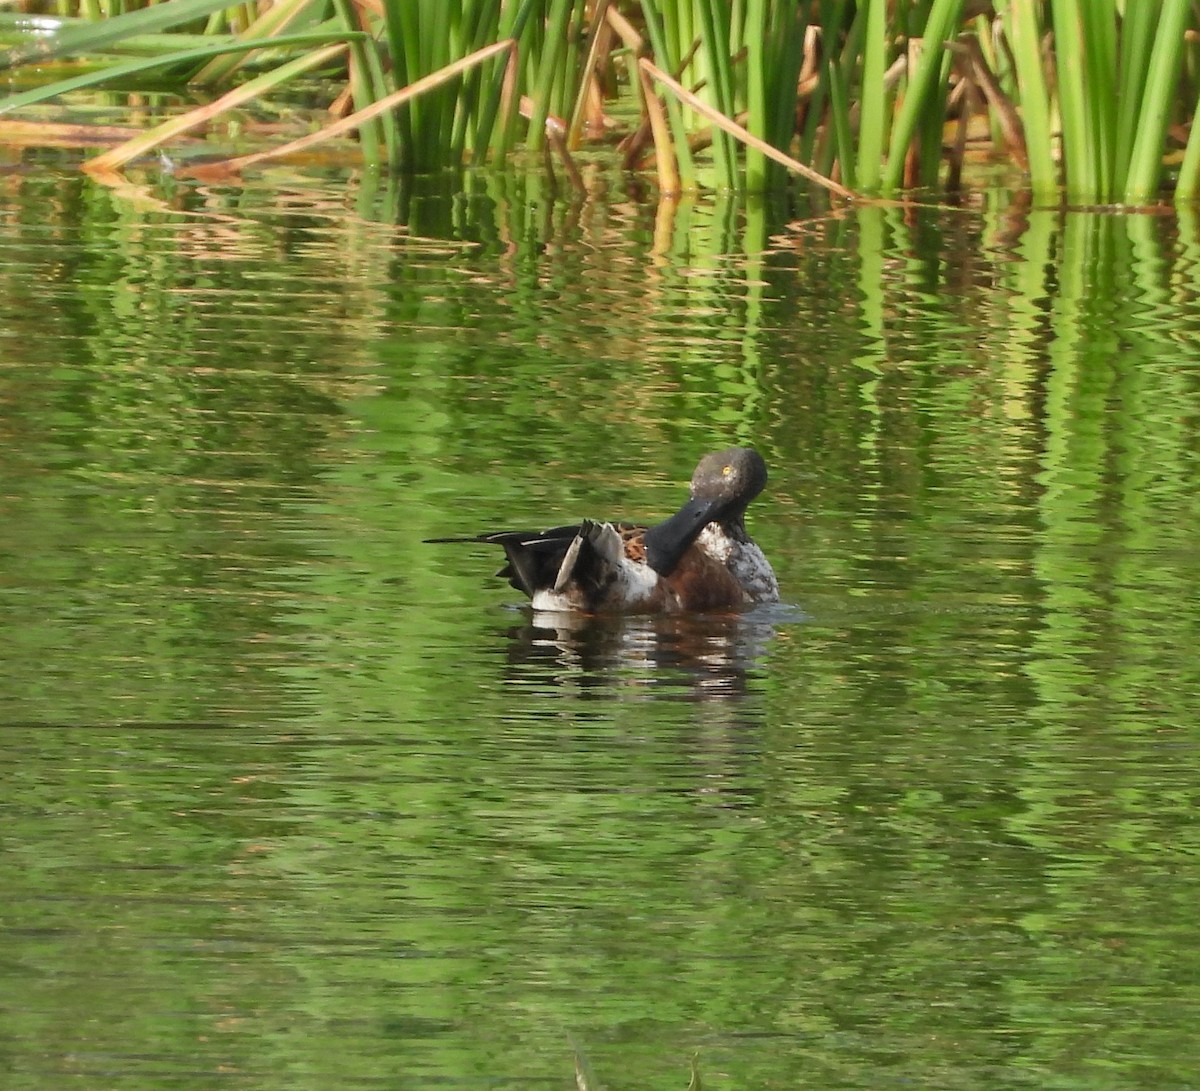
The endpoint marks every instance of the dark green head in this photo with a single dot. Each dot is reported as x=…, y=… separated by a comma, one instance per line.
x=723, y=485
x=729, y=480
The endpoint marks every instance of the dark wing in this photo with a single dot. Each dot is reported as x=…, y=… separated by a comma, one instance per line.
x=535, y=557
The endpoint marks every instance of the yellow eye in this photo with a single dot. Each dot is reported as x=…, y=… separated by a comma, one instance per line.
x=726, y=471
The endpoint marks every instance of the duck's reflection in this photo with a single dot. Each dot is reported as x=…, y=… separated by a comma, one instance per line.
x=683, y=657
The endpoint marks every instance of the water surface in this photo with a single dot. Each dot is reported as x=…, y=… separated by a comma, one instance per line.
x=295, y=800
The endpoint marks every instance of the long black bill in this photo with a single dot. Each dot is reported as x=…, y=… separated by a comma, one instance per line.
x=669, y=541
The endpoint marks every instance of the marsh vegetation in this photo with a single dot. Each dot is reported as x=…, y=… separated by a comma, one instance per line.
x=1095, y=99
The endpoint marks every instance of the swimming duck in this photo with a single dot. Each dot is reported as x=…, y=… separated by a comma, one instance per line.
x=701, y=559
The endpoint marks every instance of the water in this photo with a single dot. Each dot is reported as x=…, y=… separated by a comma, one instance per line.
x=294, y=800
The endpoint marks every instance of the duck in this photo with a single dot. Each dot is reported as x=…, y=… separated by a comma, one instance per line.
x=700, y=560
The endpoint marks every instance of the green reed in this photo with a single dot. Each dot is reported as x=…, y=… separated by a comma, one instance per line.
x=1081, y=94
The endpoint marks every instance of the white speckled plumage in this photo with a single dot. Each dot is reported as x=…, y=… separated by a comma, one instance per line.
x=745, y=560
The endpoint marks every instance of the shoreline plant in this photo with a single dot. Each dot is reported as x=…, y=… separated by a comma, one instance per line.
x=1091, y=99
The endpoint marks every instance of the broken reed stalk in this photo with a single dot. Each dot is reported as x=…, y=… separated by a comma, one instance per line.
x=738, y=132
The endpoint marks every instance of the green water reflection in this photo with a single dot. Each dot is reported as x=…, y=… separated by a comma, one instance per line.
x=294, y=800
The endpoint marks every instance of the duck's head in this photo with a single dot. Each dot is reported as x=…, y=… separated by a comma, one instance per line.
x=723, y=485
x=727, y=481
